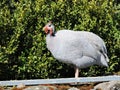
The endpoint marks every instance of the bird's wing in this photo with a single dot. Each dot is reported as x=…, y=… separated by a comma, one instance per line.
x=79, y=47
x=99, y=44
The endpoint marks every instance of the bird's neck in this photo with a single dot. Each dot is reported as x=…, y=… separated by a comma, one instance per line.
x=50, y=41
x=51, y=35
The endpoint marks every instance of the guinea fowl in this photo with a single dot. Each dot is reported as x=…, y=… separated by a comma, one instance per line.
x=79, y=48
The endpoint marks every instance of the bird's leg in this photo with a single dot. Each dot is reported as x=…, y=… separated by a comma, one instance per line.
x=76, y=75
x=76, y=72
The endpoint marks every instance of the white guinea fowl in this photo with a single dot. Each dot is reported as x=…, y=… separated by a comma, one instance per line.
x=79, y=48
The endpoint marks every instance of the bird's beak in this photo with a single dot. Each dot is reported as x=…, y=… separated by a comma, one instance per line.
x=48, y=30
x=45, y=29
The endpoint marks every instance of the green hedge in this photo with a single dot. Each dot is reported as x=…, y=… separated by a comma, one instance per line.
x=23, y=52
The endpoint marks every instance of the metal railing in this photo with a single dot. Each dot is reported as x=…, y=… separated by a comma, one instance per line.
x=60, y=80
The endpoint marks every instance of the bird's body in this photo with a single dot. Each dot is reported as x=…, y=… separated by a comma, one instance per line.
x=79, y=48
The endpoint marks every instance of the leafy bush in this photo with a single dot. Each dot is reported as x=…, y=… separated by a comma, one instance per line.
x=23, y=52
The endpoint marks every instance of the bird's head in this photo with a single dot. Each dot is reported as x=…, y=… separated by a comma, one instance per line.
x=49, y=28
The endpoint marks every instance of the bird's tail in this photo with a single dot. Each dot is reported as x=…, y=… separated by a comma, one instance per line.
x=104, y=59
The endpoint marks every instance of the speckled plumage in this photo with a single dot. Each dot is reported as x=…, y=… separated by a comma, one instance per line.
x=79, y=48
